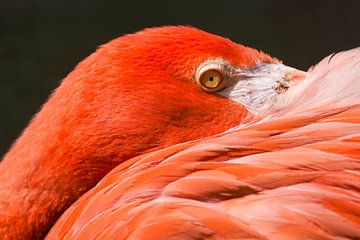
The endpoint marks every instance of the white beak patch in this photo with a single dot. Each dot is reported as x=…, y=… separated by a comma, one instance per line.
x=258, y=88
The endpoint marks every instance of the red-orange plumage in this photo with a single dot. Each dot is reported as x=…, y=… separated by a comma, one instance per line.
x=288, y=173
x=257, y=182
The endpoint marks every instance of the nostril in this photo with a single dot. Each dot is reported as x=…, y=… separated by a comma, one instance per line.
x=280, y=87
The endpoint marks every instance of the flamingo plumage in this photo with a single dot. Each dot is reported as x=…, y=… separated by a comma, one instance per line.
x=286, y=167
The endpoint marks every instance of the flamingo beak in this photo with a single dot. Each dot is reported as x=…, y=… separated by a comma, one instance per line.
x=259, y=88
x=291, y=77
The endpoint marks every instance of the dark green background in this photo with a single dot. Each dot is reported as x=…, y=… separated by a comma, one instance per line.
x=41, y=41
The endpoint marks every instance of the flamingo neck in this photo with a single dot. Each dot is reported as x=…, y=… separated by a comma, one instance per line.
x=34, y=192
x=29, y=212
x=44, y=173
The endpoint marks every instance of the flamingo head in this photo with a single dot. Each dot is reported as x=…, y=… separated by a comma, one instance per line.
x=163, y=86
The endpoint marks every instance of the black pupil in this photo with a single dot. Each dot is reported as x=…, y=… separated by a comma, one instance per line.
x=211, y=79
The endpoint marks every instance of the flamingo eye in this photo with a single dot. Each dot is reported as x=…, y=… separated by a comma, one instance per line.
x=211, y=80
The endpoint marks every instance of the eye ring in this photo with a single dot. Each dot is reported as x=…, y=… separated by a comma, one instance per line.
x=212, y=75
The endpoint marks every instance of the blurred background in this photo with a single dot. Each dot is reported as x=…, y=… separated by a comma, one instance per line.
x=42, y=40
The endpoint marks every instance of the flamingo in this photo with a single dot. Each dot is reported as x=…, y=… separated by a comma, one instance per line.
x=175, y=133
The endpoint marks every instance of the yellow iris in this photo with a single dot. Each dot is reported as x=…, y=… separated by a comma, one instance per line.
x=211, y=79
